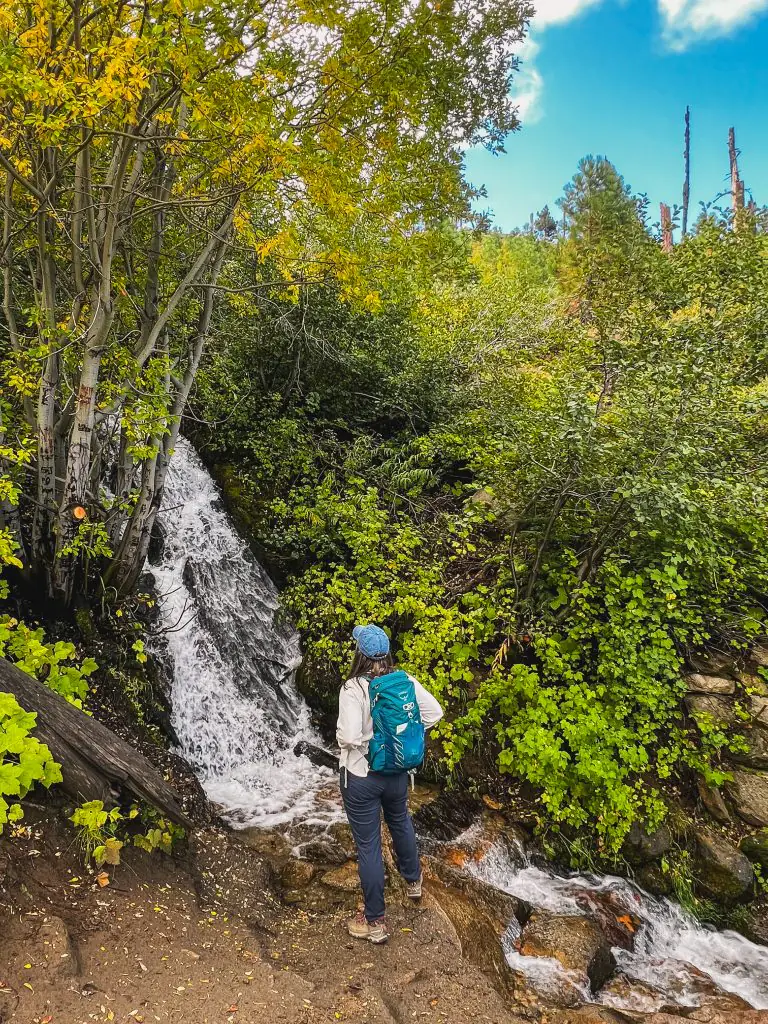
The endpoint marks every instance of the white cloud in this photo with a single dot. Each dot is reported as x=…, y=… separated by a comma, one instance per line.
x=528, y=84
x=555, y=12
x=686, y=21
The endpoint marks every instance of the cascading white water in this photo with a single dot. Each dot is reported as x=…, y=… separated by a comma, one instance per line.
x=668, y=943
x=234, y=658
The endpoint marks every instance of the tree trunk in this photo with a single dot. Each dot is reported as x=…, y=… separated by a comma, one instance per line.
x=687, y=181
x=666, y=228
x=94, y=761
x=737, y=185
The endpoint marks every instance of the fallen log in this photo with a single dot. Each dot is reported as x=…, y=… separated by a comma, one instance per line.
x=94, y=761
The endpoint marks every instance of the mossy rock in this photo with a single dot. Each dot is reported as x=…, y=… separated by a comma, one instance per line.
x=722, y=871
x=755, y=847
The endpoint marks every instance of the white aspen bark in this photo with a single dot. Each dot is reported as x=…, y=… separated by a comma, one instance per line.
x=42, y=527
x=129, y=559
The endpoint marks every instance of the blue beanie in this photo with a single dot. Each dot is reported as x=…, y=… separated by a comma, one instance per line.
x=371, y=641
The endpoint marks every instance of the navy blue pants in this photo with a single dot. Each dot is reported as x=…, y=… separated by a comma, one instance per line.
x=364, y=800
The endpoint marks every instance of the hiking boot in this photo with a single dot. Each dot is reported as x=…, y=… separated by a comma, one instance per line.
x=414, y=889
x=359, y=928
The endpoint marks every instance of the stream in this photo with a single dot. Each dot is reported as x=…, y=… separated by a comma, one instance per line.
x=238, y=716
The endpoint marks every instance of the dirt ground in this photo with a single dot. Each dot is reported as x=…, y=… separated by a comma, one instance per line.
x=147, y=947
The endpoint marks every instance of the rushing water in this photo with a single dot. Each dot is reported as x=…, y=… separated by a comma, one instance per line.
x=234, y=659
x=670, y=948
x=238, y=717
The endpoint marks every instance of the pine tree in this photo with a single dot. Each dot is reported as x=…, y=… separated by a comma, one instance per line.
x=545, y=225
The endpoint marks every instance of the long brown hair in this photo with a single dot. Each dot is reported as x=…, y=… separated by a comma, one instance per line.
x=370, y=668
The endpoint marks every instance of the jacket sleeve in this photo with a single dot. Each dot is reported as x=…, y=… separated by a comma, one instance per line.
x=349, y=727
x=430, y=709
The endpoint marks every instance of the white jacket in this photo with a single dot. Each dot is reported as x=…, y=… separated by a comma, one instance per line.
x=354, y=729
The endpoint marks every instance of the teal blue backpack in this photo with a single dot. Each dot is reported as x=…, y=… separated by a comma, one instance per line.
x=398, y=734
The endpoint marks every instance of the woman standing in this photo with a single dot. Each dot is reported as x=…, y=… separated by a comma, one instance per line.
x=365, y=792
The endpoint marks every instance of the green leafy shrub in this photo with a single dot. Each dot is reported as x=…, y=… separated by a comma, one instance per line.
x=102, y=834
x=50, y=663
x=546, y=475
x=24, y=760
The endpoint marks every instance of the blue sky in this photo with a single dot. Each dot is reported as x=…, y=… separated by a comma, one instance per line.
x=613, y=77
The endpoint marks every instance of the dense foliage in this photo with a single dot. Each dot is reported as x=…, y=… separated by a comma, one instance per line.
x=153, y=156
x=542, y=467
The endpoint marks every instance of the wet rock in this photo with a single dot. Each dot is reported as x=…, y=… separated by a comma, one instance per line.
x=500, y=906
x=641, y=847
x=477, y=934
x=341, y=833
x=297, y=874
x=755, y=847
x=713, y=801
x=346, y=877
x=627, y=993
x=722, y=871
x=448, y=816
x=698, y=683
x=577, y=942
x=156, y=541
x=324, y=849
x=57, y=948
x=317, y=755
x=655, y=880
x=230, y=876
x=617, y=924
x=268, y=843
x=705, y=1015
x=748, y=792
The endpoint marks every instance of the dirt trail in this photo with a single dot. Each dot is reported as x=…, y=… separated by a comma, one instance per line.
x=148, y=948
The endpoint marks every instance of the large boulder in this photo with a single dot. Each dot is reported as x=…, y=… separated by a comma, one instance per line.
x=500, y=906
x=755, y=847
x=723, y=872
x=577, y=943
x=696, y=682
x=477, y=934
x=748, y=792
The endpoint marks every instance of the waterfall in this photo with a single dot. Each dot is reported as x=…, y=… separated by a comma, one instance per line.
x=671, y=950
x=233, y=657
